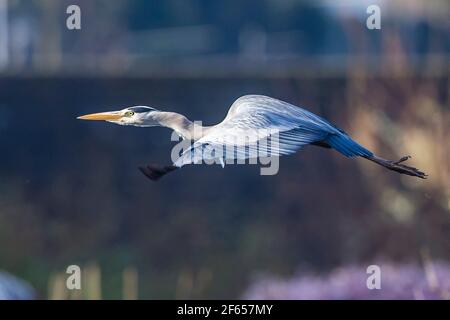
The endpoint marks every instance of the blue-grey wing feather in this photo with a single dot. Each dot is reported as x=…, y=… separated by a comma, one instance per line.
x=262, y=118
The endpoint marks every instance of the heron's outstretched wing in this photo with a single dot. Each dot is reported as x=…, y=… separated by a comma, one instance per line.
x=259, y=126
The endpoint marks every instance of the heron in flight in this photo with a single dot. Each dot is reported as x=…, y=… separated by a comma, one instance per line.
x=257, y=117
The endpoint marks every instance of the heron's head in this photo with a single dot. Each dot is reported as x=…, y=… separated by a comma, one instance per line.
x=140, y=116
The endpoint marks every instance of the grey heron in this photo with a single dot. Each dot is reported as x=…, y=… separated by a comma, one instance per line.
x=256, y=117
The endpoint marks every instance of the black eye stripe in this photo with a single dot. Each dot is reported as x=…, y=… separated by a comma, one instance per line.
x=140, y=109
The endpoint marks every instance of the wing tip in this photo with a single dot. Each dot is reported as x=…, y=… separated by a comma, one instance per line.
x=156, y=172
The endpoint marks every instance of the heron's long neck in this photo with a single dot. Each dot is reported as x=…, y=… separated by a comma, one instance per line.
x=180, y=124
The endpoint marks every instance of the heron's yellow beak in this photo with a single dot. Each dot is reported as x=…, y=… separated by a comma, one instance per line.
x=107, y=116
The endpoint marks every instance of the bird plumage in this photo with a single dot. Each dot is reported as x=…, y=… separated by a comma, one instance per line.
x=259, y=118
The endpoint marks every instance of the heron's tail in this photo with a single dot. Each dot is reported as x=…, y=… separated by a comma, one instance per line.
x=347, y=146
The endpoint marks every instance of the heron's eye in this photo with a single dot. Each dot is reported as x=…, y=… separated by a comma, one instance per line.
x=129, y=114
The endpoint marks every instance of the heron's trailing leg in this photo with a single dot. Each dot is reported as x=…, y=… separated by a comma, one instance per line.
x=397, y=166
x=156, y=172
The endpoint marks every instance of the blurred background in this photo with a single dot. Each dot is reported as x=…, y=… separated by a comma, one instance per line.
x=70, y=191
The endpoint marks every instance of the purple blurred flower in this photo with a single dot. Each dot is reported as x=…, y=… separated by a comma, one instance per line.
x=397, y=282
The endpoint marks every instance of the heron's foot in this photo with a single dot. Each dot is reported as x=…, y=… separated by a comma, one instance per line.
x=401, y=168
x=403, y=159
x=156, y=172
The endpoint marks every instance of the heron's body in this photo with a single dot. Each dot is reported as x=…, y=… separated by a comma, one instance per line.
x=250, y=120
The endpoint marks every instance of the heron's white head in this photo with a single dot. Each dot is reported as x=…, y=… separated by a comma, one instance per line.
x=140, y=116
